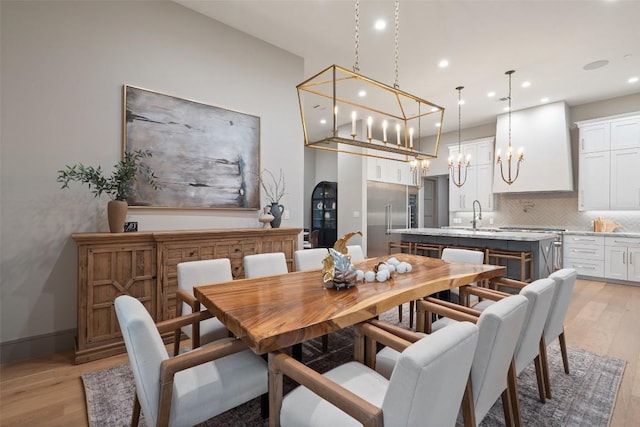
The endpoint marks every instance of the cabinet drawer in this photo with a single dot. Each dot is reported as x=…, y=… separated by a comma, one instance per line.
x=590, y=252
x=633, y=242
x=585, y=267
x=578, y=239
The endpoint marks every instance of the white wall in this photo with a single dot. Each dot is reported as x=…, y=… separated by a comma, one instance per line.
x=63, y=67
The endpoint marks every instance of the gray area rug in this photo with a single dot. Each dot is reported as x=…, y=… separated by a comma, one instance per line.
x=586, y=397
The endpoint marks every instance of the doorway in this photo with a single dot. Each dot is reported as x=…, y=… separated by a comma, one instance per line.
x=436, y=201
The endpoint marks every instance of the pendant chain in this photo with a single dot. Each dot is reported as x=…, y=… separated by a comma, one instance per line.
x=356, y=65
x=396, y=39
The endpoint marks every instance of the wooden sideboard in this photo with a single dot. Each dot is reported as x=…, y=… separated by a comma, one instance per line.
x=143, y=265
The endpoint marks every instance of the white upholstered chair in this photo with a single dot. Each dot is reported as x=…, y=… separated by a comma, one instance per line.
x=539, y=294
x=554, y=326
x=309, y=259
x=268, y=264
x=425, y=389
x=500, y=326
x=192, y=387
x=193, y=273
x=466, y=256
x=356, y=253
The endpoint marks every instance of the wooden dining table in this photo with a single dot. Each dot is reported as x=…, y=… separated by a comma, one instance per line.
x=274, y=312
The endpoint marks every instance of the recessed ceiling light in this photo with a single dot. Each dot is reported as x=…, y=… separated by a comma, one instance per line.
x=443, y=63
x=595, y=65
x=633, y=79
x=380, y=24
x=506, y=109
x=491, y=94
x=323, y=121
x=437, y=125
x=461, y=102
x=544, y=100
x=526, y=84
x=362, y=93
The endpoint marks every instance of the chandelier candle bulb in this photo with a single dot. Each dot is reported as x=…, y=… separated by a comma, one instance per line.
x=335, y=118
x=384, y=131
x=398, y=133
x=353, y=124
x=369, y=123
x=410, y=137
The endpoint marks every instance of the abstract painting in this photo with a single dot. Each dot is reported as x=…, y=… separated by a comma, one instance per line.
x=203, y=156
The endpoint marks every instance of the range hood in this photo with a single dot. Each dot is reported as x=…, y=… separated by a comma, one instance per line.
x=543, y=132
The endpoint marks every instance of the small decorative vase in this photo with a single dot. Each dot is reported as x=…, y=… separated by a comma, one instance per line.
x=265, y=217
x=117, y=214
x=276, y=211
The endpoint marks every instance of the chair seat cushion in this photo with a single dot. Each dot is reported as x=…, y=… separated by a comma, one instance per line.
x=210, y=330
x=483, y=304
x=302, y=407
x=226, y=382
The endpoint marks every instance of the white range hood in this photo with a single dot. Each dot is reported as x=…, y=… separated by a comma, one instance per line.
x=543, y=132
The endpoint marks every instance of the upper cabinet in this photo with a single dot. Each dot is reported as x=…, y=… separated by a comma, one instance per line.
x=391, y=171
x=609, y=159
x=479, y=183
x=543, y=133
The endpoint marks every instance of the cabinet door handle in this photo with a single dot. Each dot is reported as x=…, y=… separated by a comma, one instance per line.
x=582, y=143
x=579, y=239
x=630, y=258
x=583, y=251
x=624, y=257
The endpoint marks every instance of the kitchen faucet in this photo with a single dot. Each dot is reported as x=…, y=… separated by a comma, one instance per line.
x=474, y=221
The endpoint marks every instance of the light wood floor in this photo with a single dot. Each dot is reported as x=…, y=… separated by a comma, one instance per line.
x=604, y=318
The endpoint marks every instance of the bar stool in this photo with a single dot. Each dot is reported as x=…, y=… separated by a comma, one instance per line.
x=426, y=249
x=525, y=257
x=402, y=246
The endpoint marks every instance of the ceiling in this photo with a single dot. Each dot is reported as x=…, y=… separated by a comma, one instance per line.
x=547, y=42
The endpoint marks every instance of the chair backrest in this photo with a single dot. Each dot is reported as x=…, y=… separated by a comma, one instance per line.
x=462, y=255
x=566, y=280
x=309, y=259
x=146, y=352
x=429, y=379
x=539, y=294
x=313, y=238
x=269, y=264
x=356, y=253
x=499, y=329
x=203, y=272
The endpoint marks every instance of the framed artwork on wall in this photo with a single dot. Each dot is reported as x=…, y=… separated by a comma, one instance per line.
x=203, y=156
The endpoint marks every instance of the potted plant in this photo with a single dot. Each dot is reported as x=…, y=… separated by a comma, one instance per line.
x=118, y=186
x=274, y=191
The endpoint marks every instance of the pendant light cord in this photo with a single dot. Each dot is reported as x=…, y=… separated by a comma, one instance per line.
x=396, y=40
x=356, y=65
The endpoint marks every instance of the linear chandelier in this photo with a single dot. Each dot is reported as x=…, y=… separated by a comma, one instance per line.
x=459, y=182
x=509, y=180
x=344, y=111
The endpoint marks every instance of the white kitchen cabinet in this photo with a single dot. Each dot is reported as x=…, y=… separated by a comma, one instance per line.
x=585, y=254
x=391, y=171
x=622, y=258
x=609, y=157
x=625, y=179
x=479, y=183
x=594, y=181
x=625, y=133
x=595, y=137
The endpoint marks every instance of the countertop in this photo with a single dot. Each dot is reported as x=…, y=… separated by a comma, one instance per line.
x=492, y=234
x=600, y=233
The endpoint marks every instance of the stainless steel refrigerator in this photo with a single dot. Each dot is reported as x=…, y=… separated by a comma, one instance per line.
x=389, y=206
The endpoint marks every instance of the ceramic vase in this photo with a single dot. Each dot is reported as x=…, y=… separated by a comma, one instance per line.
x=117, y=214
x=276, y=211
x=265, y=217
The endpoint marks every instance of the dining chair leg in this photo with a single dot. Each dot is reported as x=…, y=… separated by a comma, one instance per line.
x=135, y=416
x=468, y=409
x=540, y=377
x=545, y=367
x=400, y=313
x=412, y=308
x=275, y=391
x=512, y=386
x=563, y=349
x=506, y=406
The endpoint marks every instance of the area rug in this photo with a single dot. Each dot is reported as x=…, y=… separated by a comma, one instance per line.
x=585, y=397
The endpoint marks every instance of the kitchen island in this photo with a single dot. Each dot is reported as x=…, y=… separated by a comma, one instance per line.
x=539, y=244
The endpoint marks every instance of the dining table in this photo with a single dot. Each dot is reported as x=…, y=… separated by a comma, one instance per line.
x=274, y=312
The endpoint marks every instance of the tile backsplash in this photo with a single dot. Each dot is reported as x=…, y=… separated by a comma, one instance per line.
x=554, y=210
